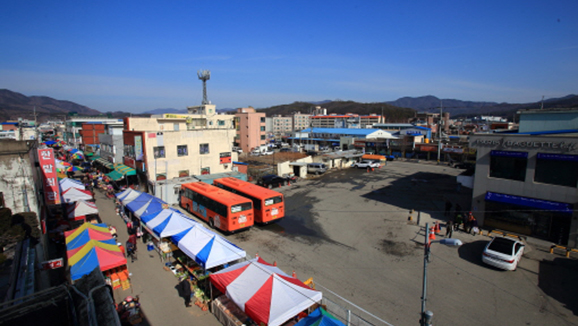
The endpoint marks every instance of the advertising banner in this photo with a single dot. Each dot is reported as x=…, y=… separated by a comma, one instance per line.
x=138, y=148
x=49, y=178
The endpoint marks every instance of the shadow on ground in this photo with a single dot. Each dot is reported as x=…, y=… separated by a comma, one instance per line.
x=557, y=278
x=472, y=252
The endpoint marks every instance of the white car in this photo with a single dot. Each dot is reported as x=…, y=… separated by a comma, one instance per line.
x=238, y=150
x=269, y=152
x=503, y=253
x=255, y=153
x=365, y=164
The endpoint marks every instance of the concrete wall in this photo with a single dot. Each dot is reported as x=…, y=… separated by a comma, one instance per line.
x=16, y=176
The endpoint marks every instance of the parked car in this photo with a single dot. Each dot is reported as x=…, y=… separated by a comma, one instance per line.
x=365, y=164
x=465, y=165
x=503, y=253
x=390, y=157
x=324, y=148
x=269, y=152
x=237, y=149
x=316, y=168
x=271, y=180
x=285, y=149
x=311, y=153
x=255, y=152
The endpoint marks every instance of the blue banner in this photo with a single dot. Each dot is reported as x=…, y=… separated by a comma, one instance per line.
x=558, y=157
x=529, y=202
x=509, y=154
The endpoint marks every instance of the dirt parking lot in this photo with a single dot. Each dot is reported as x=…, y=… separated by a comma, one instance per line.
x=348, y=230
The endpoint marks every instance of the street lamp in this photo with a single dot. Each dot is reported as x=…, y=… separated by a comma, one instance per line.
x=426, y=316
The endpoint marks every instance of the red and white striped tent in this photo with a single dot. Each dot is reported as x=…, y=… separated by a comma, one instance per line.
x=73, y=194
x=264, y=292
x=80, y=209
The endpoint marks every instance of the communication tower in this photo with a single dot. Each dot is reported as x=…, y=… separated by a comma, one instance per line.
x=204, y=75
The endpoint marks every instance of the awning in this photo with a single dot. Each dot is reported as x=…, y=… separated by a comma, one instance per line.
x=105, y=163
x=114, y=175
x=124, y=170
x=94, y=158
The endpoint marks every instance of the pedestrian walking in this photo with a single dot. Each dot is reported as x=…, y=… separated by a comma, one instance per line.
x=130, y=251
x=468, y=222
x=459, y=220
x=184, y=289
x=449, y=229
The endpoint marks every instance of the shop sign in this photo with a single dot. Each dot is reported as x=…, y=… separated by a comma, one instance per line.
x=53, y=264
x=49, y=178
x=457, y=150
x=138, y=147
x=529, y=202
x=225, y=158
x=129, y=161
x=545, y=145
x=428, y=148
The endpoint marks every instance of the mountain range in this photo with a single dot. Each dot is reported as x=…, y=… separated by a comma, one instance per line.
x=14, y=105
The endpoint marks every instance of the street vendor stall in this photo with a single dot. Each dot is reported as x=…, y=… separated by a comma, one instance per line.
x=91, y=246
x=82, y=210
x=74, y=194
x=67, y=183
x=264, y=292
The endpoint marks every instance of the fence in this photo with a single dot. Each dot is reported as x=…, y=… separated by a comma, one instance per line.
x=346, y=311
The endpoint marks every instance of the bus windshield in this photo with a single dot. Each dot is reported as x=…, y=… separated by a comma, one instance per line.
x=241, y=208
x=273, y=200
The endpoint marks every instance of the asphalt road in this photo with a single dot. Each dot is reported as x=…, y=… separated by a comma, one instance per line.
x=349, y=230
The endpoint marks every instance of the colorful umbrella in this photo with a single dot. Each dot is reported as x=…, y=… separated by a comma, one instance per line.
x=77, y=156
x=71, y=168
x=49, y=142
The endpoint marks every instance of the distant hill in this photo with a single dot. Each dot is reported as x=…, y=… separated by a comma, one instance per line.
x=14, y=105
x=391, y=113
x=458, y=108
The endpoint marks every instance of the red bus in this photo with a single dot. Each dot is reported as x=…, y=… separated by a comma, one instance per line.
x=223, y=210
x=269, y=205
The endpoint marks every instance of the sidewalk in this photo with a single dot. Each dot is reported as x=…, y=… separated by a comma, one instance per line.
x=155, y=287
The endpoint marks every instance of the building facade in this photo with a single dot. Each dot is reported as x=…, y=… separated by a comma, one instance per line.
x=73, y=126
x=301, y=121
x=251, y=129
x=281, y=125
x=345, y=121
x=177, y=145
x=527, y=183
x=111, y=144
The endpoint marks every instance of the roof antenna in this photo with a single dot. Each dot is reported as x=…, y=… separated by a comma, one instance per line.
x=542, y=106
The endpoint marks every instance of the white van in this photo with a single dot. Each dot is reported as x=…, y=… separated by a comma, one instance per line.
x=316, y=168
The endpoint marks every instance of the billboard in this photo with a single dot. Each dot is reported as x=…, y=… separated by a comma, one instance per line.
x=50, y=184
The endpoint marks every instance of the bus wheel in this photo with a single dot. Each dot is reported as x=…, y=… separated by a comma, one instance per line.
x=211, y=223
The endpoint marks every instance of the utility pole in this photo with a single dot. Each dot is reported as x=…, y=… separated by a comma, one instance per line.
x=440, y=132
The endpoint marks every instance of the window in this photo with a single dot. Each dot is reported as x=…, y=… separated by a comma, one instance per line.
x=221, y=122
x=262, y=128
x=263, y=120
x=508, y=165
x=159, y=151
x=182, y=150
x=204, y=148
x=262, y=137
x=161, y=176
x=205, y=171
x=183, y=173
x=557, y=169
x=176, y=126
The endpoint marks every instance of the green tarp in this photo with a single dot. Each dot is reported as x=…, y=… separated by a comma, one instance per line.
x=94, y=158
x=114, y=175
x=125, y=170
x=105, y=163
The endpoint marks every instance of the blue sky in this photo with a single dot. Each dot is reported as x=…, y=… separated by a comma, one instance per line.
x=141, y=55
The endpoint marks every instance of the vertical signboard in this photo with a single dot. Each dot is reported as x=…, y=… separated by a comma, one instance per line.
x=138, y=147
x=225, y=158
x=49, y=178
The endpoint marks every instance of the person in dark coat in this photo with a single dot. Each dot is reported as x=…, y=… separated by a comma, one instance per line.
x=449, y=229
x=184, y=289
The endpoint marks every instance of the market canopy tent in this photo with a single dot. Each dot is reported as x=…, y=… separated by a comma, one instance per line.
x=264, y=292
x=123, y=194
x=173, y=224
x=160, y=214
x=68, y=183
x=94, y=254
x=145, y=204
x=124, y=170
x=129, y=197
x=81, y=208
x=78, y=237
x=114, y=175
x=207, y=248
x=74, y=194
x=319, y=317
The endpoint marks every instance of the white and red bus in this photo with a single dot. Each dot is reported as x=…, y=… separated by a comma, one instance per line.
x=223, y=210
x=269, y=205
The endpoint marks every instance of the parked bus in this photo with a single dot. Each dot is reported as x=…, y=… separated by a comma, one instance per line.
x=268, y=205
x=223, y=210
